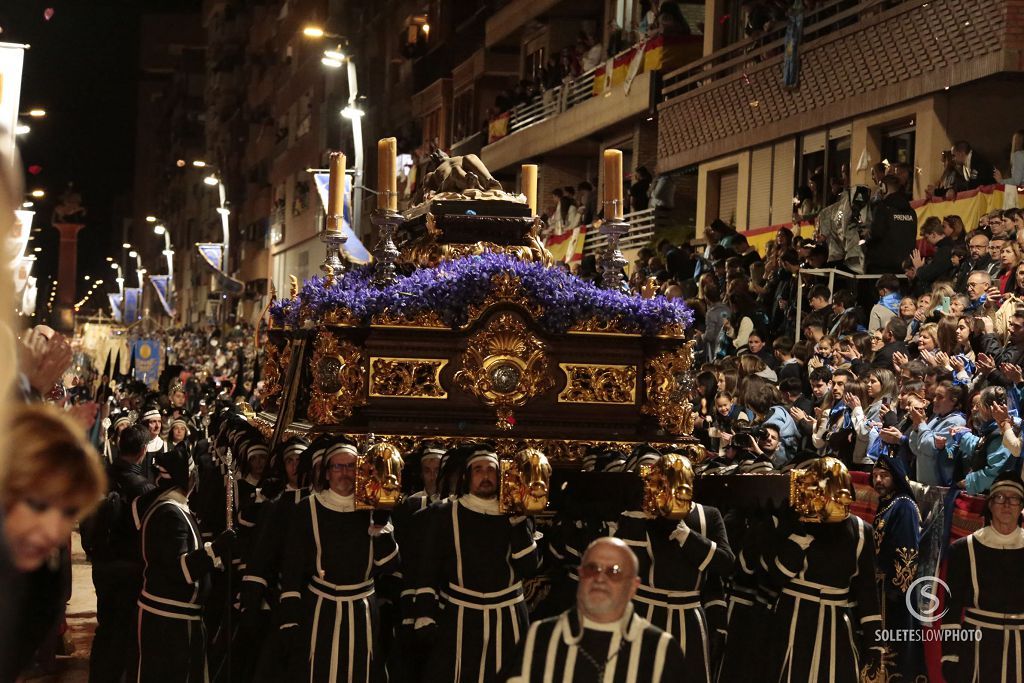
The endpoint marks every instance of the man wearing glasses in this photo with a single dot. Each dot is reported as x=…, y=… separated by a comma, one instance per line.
x=601, y=638
x=984, y=575
x=328, y=603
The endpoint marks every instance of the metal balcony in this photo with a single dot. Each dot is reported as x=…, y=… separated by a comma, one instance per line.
x=641, y=232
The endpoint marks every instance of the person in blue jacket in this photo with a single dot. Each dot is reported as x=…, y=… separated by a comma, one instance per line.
x=982, y=454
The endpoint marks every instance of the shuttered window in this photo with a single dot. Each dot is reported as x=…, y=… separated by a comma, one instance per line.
x=728, y=182
x=782, y=182
x=760, y=194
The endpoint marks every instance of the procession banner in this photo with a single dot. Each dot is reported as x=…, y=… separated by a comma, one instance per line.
x=794, y=36
x=567, y=247
x=213, y=254
x=161, y=283
x=12, y=58
x=147, y=360
x=115, y=299
x=132, y=300
x=353, y=245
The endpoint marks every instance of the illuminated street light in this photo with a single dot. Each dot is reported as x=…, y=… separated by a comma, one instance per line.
x=110, y=259
x=87, y=278
x=27, y=205
x=126, y=246
x=211, y=180
x=313, y=32
x=331, y=63
x=336, y=55
x=159, y=229
x=22, y=129
x=38, y=194
x=37, y=113
x=151, y=219
x=199, y=163
x=132, y=253
x=37, y=249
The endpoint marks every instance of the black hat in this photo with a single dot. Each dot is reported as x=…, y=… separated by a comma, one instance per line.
x=174, y=467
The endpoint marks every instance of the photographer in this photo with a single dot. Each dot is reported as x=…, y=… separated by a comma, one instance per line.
x=893, y=231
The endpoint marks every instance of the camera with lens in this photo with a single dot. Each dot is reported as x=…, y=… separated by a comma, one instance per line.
x=746, y=437
x=859, y=198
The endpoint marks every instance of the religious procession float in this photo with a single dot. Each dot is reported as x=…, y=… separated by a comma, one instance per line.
x=470, y=333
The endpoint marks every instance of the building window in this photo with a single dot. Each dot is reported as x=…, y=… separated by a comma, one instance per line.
x=463, y=124
x=898, y=147
x=723, y=186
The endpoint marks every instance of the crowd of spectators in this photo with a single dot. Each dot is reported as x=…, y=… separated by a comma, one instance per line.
x=924, y=360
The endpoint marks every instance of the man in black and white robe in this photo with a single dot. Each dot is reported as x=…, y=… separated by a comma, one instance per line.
x=474, y=560
x=601, y=638
x=676, y=560
x=172, y=640
x=328, y=596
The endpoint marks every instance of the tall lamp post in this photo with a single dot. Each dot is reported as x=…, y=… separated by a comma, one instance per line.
x=335, y=58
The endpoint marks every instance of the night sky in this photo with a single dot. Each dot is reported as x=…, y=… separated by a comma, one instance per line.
x=81, y=68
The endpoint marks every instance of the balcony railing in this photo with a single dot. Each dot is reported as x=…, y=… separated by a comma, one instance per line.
x=736, y=58
x=553, y=102
x=641, y=232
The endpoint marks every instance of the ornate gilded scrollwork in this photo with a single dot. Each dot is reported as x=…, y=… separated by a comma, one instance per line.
x=505, y=288
x=602, y=326
x=272, y=375
x=906, y=568
x=407, y=377
x=339, y=379
x=504, y=366
x=590, y=383
x=668, y=383
x=429, y=319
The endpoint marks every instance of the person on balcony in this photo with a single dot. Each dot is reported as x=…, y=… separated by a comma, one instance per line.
x=1016, y=161
x=640, y=189
x=893, y=230
x=974, y=170
x=565, y=216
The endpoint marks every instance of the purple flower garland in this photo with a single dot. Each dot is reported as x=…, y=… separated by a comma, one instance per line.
x=453, y=286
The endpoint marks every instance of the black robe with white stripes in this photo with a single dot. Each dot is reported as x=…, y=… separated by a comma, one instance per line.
x=327, y=591
x=631, y=650
x=172, y=639
x=675, y=561
x=470, y=583
x=985, y=576
x=822, y=586
x=261, y=585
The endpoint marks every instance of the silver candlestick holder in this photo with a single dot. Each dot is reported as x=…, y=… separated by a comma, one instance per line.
x=611, y=262
x=385, y=253
x=333, y=239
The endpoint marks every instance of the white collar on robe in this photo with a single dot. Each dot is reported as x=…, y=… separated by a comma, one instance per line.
x=485, y=506
x=988, y=536
x=336, y=501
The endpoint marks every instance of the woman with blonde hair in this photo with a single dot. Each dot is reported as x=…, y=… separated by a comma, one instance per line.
x=54, y=480
x=1016, y=160
x=1010, y=258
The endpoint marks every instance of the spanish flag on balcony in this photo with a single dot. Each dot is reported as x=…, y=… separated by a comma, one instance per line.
x=567, y=247
x=970, y=205
x=658, y=52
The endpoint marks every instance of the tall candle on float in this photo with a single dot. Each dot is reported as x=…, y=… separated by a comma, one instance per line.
x=613, y=183
x=530, y=186
x=387, y=176
x=336, y=192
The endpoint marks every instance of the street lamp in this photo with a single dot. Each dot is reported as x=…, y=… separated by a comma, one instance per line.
x=36, y=113
x=161, y=229
x=38, y=194
x=22, y=129
x=120, y=276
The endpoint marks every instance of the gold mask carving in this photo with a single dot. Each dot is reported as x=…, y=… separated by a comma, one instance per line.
x=821, y=492
x=379, y=477
x=525, y=483
x=668, y=486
